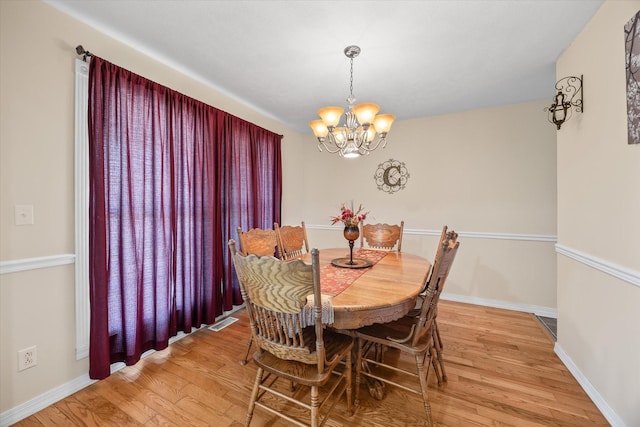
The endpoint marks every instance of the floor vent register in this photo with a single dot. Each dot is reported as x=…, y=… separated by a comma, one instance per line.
x=218, y=326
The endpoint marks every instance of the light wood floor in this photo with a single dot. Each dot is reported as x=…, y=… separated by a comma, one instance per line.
x=501, y=366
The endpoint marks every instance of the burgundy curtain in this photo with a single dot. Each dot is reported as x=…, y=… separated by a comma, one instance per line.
x=171, y=177
x=252, y=190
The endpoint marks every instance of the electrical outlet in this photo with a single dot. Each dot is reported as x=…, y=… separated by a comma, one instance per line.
x=27, y=358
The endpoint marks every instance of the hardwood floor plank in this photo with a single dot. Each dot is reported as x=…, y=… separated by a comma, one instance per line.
x=501, y=366
x=128, y=396
x=48, y=417
x=77, y=412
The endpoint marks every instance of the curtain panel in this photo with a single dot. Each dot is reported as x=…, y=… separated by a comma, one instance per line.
x=170, y=180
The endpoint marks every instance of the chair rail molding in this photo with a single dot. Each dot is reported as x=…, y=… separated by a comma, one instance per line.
x=612, y=269
x=468, y=234
x=26, y=264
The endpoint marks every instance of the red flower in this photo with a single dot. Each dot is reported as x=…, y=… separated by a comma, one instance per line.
x=348, y=217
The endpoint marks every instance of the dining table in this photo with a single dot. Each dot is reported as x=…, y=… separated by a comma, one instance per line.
x=381, y=288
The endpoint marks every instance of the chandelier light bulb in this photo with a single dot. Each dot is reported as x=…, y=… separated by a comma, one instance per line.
x=320, y=130
x=365, y=113
x=383, y=122
x=331, y=115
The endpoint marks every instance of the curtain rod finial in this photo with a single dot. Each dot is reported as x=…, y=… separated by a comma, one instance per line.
x=80, y=51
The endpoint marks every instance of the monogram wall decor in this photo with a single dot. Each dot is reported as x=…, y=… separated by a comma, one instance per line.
x=391, y=176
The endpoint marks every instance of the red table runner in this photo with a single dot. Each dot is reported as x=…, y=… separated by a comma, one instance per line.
x=336, y=279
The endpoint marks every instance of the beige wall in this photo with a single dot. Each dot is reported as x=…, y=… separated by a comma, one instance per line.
x=599, y=220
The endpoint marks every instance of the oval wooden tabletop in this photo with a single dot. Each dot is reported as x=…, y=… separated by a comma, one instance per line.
x=385, y=292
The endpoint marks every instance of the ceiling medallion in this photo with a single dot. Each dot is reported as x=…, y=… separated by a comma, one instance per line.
x=391, y=176
x=363, y=130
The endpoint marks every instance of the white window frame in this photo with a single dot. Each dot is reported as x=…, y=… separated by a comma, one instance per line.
x=81, y=188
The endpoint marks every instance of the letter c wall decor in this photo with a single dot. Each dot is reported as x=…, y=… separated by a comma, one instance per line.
x=391, y=176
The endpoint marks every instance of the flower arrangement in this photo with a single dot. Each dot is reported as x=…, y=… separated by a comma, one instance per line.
x=348, y=216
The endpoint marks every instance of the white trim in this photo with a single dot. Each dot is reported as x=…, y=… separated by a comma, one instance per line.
x=81, y=188
x=47, y=398
x=466, y=234
x=591, y=391
x=607, y=267
x=526, y=308
x=506, y=236
x=26, y=264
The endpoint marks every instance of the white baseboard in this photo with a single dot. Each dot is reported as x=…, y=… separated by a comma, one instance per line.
x=526, y=308
x=40, y=402
x=591, y=391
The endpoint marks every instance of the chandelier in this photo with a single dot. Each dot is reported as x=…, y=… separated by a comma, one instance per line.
x=363, y=129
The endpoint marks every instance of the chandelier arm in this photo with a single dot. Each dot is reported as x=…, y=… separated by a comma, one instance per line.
x=331, y=144
x=337, y=142
x=327, y=147
x=373, y=145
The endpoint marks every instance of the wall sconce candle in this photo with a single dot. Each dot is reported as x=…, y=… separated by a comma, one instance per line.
x=569, y=96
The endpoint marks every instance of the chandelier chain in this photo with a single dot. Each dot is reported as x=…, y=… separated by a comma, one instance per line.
x=351, y=99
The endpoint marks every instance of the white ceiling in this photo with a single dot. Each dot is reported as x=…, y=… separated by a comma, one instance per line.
x=285, y=58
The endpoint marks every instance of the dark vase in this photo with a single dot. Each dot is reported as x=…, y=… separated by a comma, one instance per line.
x=351, y=233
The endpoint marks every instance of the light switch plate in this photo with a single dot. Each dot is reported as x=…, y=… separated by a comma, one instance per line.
x=24, y=215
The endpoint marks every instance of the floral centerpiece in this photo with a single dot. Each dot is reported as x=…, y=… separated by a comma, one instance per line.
x=349, y=217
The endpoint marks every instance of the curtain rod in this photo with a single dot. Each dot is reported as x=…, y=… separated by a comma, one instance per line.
x=80, y=51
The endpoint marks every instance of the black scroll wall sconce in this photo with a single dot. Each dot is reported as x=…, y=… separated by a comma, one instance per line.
x=569, y=97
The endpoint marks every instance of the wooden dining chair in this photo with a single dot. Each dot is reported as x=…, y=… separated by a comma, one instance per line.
x=275, y=293
x=292, y=240
x=382, y=236
x=261, y=242
x=411, y=335
x=438, y=363
x=441, y=374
